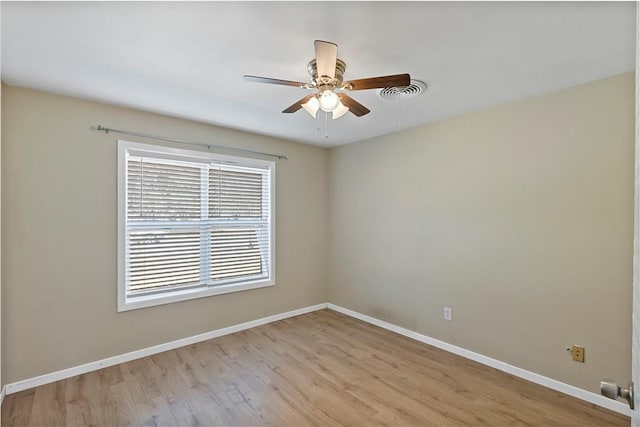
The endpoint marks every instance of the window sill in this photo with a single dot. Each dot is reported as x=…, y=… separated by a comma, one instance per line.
x=136, y=302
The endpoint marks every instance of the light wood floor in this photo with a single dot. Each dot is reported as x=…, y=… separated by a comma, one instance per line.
x=322, y=368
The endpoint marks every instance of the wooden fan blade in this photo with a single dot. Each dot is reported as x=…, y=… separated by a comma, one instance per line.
x=395, y=80
x=326, y=54
x=257, y=79
x=298, y=104
x=354, y=106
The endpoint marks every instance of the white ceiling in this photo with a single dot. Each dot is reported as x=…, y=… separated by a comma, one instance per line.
x=187, y=59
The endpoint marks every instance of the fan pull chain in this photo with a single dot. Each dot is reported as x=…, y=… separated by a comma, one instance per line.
x=399, y=109
x=326, y=125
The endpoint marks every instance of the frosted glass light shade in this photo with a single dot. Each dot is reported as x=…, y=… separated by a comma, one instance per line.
x=340, y=110
x=311, y=106
x=329, y=101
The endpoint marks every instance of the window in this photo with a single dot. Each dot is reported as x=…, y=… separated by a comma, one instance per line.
x=191, y=224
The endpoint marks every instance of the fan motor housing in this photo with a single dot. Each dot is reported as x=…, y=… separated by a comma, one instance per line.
x=318, y=81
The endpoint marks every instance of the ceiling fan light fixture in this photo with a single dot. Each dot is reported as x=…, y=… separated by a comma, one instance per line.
x=327, y=75
x=340, y=111
x=329, y=101
x=311, y=106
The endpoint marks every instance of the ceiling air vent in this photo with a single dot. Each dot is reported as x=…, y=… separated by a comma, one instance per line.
x=416, y=88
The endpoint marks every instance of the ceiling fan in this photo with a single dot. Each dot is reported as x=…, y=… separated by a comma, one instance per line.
x=326, y=72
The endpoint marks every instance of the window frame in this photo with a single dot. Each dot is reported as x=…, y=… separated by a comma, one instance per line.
x=127, y=302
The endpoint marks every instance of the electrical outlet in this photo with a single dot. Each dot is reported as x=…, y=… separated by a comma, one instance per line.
x=447, y=313
x=577, y=353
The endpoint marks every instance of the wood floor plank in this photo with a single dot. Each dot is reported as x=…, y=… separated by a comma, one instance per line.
x=18, y=408
x=322, y=368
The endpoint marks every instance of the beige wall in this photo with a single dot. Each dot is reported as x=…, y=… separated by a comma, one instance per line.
x=519, y=217
x=59, y=236
x=1, y=381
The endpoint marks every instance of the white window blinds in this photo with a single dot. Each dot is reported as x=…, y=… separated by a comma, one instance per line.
x=195, y=222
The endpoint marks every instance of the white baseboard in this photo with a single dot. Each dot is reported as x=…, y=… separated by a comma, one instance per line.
x=3, y=392
x=110, y=361
x=579, y=393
